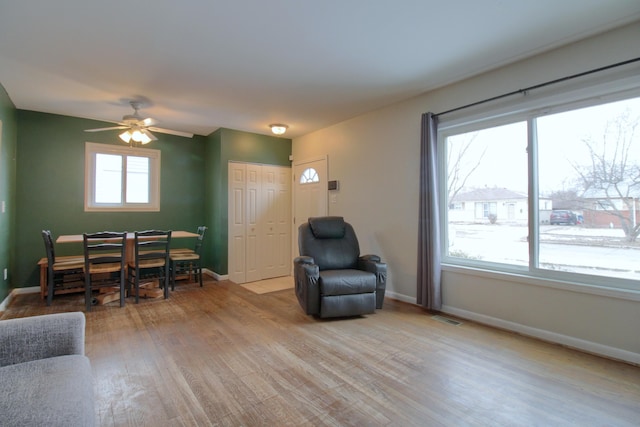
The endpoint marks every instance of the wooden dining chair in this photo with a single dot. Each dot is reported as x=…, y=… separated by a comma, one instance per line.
x=188, y=262
x=64, y=274
x=151, y=260
x=201, y=231
x=104, y=263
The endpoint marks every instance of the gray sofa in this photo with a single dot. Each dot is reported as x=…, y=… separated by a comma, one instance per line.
x=45, y=378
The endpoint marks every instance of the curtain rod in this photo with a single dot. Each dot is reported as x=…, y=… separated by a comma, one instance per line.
x=538, y=86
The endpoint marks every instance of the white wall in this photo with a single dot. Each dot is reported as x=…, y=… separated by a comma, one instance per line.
x=376, y=159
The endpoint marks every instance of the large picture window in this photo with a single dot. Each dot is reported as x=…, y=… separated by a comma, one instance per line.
x=121, y=178
x=551, y=192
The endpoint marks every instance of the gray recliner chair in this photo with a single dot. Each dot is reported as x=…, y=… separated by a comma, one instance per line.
x=331, y=278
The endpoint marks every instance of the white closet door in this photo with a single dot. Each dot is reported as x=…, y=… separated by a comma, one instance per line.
x=254, y=219
x=276, y=224
x=259, y=222
x=237, y=222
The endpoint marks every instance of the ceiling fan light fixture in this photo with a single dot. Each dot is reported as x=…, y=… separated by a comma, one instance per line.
x=125, y=136
x=146, y=136
x=278, y=129
x=137, y=135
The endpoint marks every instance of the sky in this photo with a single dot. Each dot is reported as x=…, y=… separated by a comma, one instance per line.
x=560, y=142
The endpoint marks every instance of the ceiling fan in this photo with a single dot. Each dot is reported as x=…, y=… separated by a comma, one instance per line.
x=138, y=129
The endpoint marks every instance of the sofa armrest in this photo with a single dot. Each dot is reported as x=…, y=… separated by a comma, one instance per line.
x=40, y=337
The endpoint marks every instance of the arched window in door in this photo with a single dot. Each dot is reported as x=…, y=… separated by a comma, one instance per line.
x=309, y=176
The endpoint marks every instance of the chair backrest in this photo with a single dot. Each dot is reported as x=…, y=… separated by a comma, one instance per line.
x=330, y=241
x=104, y=247
x=48, y=246
x=152, y=244
x=198, y=246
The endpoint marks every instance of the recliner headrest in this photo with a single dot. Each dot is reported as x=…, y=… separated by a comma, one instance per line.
x=327, y=227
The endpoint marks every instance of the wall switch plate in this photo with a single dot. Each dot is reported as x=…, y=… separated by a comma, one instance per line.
x=5, y=274
x=3, y=206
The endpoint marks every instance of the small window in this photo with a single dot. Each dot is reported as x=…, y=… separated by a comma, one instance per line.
x=309, y=176
x=121, y=178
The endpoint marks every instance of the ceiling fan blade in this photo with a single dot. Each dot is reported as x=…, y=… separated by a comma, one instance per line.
x=148, y=121
x=172, y=132
x=110, y=128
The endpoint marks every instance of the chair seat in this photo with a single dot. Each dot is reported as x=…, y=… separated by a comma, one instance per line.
x=346, y=282
x=108, y=267
x=69, y=264
x=181, y=251
x=148, y=263
x=184, y=256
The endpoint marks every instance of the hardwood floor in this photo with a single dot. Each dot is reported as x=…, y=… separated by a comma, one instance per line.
x=222, y=355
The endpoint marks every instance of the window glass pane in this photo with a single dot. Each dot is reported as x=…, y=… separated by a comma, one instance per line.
x=487, y=195
x=589, y=169
x=137, y=179
x=108, y=180
x=309, y=176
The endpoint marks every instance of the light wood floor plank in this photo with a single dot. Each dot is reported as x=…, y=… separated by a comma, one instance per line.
x=222, y=355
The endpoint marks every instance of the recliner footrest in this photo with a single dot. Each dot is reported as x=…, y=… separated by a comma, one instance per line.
x=347, y=305
x=346, y=282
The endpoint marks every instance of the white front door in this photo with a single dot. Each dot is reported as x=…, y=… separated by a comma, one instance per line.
x=310, y=193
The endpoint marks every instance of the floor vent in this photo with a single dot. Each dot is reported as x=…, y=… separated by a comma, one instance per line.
x=446, y=320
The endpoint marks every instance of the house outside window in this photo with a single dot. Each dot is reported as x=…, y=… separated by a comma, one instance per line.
x=121, y=178
x=518, y=168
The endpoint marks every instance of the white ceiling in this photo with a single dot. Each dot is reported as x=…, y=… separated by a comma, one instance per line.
x=243, y=64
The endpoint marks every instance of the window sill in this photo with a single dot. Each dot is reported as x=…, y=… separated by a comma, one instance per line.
x=610, y=292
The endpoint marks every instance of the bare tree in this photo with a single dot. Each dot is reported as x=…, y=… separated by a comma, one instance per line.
x=460, y=165
x=614, y=172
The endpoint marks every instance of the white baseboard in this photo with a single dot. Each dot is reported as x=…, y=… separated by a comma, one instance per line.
x=216, y=276
x=566, y=340
x=29, y=290
x=17, y=291
x=5, y=303
x=400, y=297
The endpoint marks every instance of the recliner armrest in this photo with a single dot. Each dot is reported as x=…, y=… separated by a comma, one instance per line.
x=307, y=274
x=304, y=260
x=372, y=264
x=370, y=257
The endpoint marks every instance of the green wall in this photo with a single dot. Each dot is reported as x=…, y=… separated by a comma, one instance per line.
x=50, y=187
x=225, y=145
x=8, y=139
x=42, y=182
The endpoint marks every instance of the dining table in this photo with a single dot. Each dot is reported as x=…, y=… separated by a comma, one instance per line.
x=78, y=238
x=130, y=241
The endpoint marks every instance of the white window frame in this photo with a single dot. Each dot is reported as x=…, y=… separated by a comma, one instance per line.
x=596, y=90
x=90, y=205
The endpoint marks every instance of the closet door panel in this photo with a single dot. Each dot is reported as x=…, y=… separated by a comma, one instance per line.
x=254, y=214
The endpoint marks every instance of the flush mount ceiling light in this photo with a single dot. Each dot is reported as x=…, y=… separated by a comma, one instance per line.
x=278, y=129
